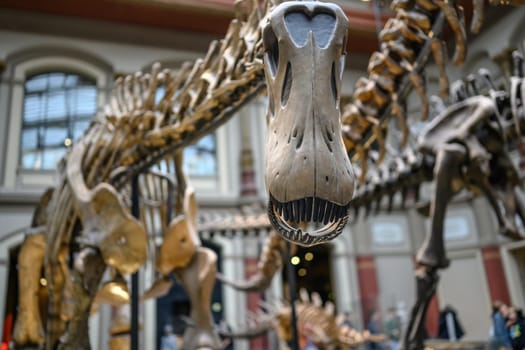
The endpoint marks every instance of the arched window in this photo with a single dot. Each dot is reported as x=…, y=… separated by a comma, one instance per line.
x=57, y=108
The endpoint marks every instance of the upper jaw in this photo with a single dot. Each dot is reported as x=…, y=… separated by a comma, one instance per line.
x=291, y=219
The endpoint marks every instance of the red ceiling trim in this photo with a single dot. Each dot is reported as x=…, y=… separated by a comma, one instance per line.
x=209, y=16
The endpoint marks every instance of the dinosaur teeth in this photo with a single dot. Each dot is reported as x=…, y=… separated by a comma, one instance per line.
x=301, y=208
x=315, y=209
x=309, y=207
x=285, y=217
x=297, y=211
x=334, y=215
x=328, y=212
x=287, y=213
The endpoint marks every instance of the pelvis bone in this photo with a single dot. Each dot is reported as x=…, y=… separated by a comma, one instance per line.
x=308, y=173
x=106, y=221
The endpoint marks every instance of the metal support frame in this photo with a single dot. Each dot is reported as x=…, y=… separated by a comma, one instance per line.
x=293, y=292
x=135, y=211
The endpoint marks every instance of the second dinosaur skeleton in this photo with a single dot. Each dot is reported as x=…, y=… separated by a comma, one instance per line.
x=315, y=321
x=88, y=211
x=465, y=147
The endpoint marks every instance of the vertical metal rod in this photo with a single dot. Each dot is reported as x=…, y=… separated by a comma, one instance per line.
x=135, y=211
x=292, y=289
x=377, y=16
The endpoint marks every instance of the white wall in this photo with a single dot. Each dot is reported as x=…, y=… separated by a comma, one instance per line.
x=122, y=57
x=463, y=286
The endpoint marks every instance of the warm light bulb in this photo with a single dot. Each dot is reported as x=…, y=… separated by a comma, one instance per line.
x=217, y=307
x=295, y=260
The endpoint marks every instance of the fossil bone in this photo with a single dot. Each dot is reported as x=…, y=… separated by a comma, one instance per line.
x=316, y=321
x=308, y=173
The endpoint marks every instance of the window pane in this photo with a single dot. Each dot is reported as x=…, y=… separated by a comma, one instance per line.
x=72, y=80
x=57, y=106
x=51, y=157
x=83, y=101
x=30, y=138
x=56, y=80
x=33, y=109
x=55, y=137
x=30, y=160
x=79, y=127
x=201, y=159
x=37, y=83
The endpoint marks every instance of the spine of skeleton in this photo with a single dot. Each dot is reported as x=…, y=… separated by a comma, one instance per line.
x=403, y=174
x=196, y=101
x=406, y=41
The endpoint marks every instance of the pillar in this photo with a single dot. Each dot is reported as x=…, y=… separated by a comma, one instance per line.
x=496, y=279
x=368, y=285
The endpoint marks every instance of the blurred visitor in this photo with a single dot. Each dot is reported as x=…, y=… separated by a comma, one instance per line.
x=224, y=328
x=392, y=328
x=310, y=345
x=374, y=327
x=516, y=328
x=499, y=335
x=346, y=320
x=168, y=340
x=449, y=326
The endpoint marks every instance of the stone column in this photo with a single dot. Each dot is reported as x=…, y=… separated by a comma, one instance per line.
x=233, y=268
x=345, y=277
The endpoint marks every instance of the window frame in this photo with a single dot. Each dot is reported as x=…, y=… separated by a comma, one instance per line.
x=223, y=188
x=68, y=121
x=15, y=176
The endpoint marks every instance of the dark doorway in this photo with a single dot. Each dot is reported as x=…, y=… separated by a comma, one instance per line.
x=313, y=271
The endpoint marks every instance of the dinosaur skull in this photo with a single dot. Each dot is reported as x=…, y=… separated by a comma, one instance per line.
x=308, y=173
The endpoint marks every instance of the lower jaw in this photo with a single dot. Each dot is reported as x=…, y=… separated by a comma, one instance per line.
x=330, y=223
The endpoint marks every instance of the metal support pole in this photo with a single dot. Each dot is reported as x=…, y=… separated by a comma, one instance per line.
x=377, y=17
x=135, y=211
x=293, y=292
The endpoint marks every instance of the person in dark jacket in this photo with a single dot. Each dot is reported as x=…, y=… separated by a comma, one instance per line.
x=516, y=328
x=499, y=337
x=449, y=326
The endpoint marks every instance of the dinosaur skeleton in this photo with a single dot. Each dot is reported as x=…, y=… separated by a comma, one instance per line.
x=314, y=321
x=89, y=214
x=465, y=147
x=406, y=41
x=89, y=225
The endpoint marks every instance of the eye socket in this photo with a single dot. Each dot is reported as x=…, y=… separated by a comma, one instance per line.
x=287, y=84
x=333, y=81
x=271, y=48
